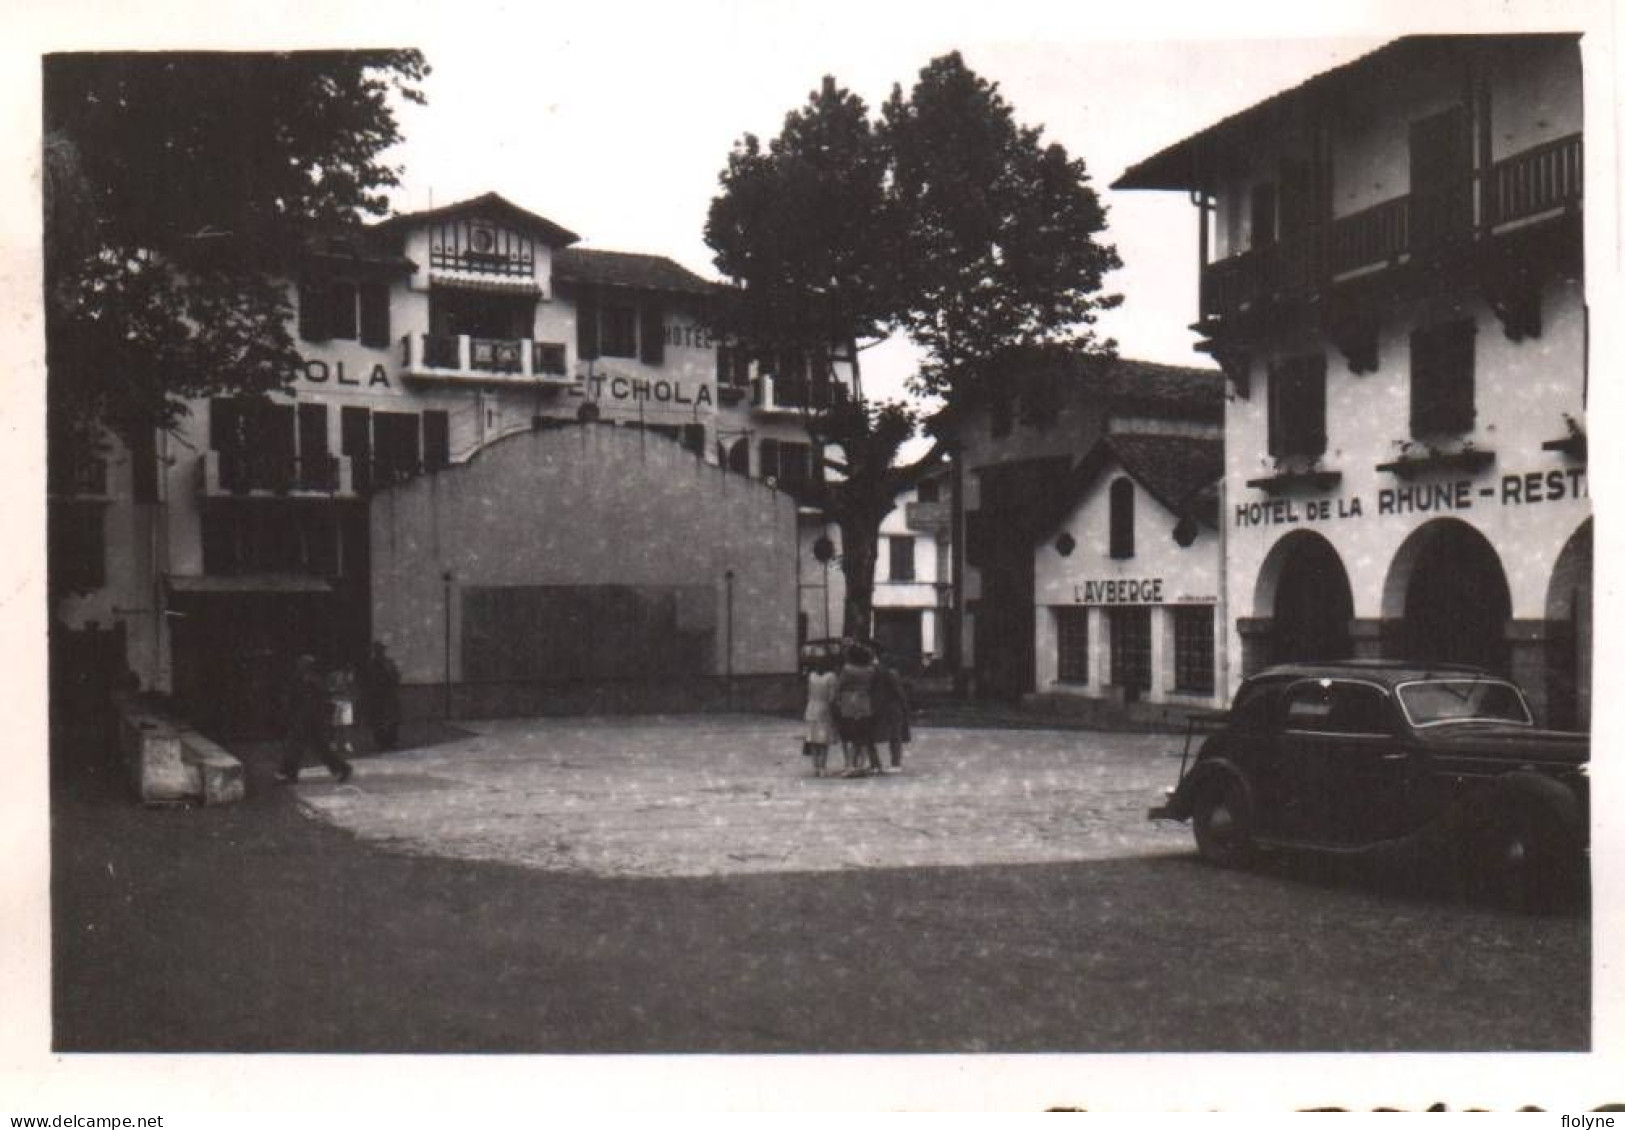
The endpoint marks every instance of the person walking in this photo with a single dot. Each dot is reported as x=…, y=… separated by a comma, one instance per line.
x=309, y=713
x=891, y=711
x=820, y=714
x=855, y=709
x=381, y=697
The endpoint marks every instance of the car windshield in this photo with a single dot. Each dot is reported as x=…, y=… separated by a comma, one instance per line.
x=1437, y=701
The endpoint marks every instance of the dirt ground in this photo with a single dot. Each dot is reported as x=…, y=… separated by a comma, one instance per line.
x=255, y=927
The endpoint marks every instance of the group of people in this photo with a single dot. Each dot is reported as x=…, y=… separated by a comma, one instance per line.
x=319, y=711
x=860, y=702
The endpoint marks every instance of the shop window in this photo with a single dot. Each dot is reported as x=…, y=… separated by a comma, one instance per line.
x=618, y=330
x=901, y=554
x=1122, y=517
x=1072, y=645
x=1131, y=650
x=1297, y=407
x=1442, y=390
x=1193, y=649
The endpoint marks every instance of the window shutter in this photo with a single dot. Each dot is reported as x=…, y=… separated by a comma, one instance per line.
x=341, y=310
x=1314, y=405
x=375, y=315
x=224, y=417
x=653, y=333
x=436, y=439
x=1122, y=518
x=586, y=325
x=313, y=311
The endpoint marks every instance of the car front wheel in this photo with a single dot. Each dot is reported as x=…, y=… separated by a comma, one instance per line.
x=1521, y=857
x=1222, y=819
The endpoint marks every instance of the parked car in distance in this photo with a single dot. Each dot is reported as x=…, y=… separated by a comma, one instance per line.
x=1350, y=756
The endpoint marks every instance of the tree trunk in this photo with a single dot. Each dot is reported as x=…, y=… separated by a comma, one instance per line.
x=860, y=540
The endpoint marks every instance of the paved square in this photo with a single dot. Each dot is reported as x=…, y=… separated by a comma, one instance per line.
x=710, y=795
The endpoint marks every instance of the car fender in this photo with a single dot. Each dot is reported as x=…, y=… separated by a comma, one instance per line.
x=1206, y=770
x=1523, y=788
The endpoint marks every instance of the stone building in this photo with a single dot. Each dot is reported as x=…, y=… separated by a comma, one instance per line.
x=1018, y=450
x=1392, y=280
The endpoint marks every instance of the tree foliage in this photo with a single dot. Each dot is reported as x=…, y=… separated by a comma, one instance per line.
x=1001, y=250
x=945, y=219
x=177, y=187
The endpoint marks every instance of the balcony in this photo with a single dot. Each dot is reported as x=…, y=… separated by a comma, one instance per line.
x=777, y=395
x=1538, y=184
x=226, y=474
x=485, y=360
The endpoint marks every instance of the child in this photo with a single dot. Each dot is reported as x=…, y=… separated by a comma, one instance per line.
x=819, y=716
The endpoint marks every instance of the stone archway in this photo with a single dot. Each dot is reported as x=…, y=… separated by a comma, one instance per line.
x=1568, y=624
x=1303, y=594
x=1447, y=597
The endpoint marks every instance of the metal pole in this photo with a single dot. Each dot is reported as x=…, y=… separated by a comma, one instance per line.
x=446, y=607
x=728, y=577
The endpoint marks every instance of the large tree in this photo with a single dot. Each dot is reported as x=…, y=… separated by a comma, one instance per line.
x=178, y=189
x=806, y=232
x=1000, y=247
x=948, y=220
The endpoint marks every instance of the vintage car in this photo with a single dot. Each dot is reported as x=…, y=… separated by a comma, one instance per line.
x=1355, y=755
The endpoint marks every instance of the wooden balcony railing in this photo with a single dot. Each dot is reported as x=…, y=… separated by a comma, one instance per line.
x=453, y=356
x=1537, y=181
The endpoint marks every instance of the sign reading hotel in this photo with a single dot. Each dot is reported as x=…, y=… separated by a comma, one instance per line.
x=1521, y=489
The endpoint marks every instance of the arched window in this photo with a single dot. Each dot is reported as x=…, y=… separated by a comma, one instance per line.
x=1122, y=518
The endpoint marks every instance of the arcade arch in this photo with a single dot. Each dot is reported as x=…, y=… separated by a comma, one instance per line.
x=1447, y=597
x=1303, y=594
x=1568, y=622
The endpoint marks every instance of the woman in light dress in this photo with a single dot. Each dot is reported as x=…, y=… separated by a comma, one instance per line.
x=820, y=716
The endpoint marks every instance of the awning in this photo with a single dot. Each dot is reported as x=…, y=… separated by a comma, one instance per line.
x=249, y=582
x=479, y=280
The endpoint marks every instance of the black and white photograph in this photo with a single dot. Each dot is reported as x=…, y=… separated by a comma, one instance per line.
x=811, y=557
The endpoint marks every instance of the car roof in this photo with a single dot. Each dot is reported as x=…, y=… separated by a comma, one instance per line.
x=1387, y=672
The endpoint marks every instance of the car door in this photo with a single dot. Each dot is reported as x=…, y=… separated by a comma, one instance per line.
x=1342, y=769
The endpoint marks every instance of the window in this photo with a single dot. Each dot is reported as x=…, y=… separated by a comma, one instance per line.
x=1072, y=645
x=1442, y=378
x=930, y=490
x=1131, y=650
x=733, y=367
x=901, y=551
x=1327, y=706
x=654, y=334
x=344, y=310
x=396, y=443
x=618, y=331
x=1193, y=649
x=1297, y=407
x=1122, y=517
x=788, y=464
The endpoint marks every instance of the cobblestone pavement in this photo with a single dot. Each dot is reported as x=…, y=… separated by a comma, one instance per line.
x=710, y=795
